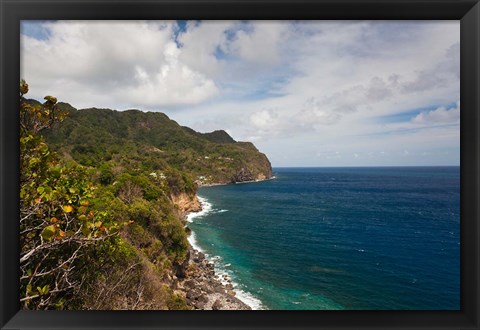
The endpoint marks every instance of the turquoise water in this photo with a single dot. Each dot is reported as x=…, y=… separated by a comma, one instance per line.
x=338, y=238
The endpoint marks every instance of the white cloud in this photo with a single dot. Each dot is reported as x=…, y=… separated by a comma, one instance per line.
x=289, y=86
x=199, y=42
x=440, y=115
x=263, y=120
x=173, y=83
x=97, y=63
x=261, y=42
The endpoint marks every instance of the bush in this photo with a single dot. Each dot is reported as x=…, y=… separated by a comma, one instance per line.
x=59, y=229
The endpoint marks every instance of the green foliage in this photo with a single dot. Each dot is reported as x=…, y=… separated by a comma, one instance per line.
x=59, y=229
x=36, y=117
x=106, y=175
x=101, y=217
x=145, y=142
x=162, y=224
x=177, y=302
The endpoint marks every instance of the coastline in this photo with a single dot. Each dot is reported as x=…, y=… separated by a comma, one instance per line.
x=204, y=289
x=203, y=286
x=200, y=185
x=206, y=286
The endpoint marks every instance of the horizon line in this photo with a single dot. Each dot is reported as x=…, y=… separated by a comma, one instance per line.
x=354, y=166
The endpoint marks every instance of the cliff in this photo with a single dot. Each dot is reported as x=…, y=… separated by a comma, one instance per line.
x=186, y=203
x=150, y=139
x=146, y=169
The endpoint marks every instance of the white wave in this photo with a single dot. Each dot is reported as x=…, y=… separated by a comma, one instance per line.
x=224, y=276
x=193, y=242
x=249, y=299
x=220, y=271
x=206, y=208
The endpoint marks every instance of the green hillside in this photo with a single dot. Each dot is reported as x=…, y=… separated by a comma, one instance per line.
x=150, y=140
x=103, y=201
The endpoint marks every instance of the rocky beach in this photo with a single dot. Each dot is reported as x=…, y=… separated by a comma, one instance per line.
x=206, y=290
x=196, y=278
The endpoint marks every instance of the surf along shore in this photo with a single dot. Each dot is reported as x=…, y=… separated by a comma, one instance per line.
x=205, y=286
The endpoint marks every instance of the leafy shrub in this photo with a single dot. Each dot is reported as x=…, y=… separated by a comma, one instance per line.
x=59, y=229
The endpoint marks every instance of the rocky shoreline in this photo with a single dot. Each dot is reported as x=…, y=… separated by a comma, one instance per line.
x=204, y=289
x=196, y=278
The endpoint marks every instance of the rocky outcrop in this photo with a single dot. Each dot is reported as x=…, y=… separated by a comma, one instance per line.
x=243, y=175
x=204, y=290
x=186, y=203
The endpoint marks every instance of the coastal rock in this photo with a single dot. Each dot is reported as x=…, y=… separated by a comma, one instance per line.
x=200, y=304
x=217, y=305
x=186, y=203
x=193, y=294
x=198, y=257
x=204, y=290
x=243, y=175
x=209, y=289
x=203, y=299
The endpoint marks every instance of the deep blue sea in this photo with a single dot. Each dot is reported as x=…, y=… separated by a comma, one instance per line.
x=384, y=238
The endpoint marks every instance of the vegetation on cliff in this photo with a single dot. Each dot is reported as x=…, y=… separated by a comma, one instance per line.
x=150, y=141
x=103, y=199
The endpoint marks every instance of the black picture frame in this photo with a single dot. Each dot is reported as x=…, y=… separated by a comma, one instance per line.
x=13, y=11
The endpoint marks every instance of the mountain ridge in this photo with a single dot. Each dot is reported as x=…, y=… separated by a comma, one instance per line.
x=213, y=157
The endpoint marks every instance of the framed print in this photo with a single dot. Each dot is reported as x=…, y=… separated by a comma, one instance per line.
x=307, y=164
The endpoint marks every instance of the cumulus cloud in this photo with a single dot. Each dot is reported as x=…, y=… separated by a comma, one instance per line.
x=295, y=84
x=200, y=42
x=134, y=63
x=260, y=42
x=173, y=83
x=263, y=120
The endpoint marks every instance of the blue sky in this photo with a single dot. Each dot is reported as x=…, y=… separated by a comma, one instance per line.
x=313, y=93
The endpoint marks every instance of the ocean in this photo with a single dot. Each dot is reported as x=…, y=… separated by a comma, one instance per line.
x=385, y=238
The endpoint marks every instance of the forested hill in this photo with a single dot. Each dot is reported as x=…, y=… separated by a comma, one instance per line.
x=103, y=196
x=152, y=141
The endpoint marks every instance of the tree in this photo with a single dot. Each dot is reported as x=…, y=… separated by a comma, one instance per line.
x=58, y=226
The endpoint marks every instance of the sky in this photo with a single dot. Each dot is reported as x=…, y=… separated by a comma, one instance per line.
x=306, y=93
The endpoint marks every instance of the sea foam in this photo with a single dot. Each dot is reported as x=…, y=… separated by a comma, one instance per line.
x=192, y=239
x=224, y=275
x=206, y=208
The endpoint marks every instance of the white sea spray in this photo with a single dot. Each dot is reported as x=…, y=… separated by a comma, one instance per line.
x=224, y=275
